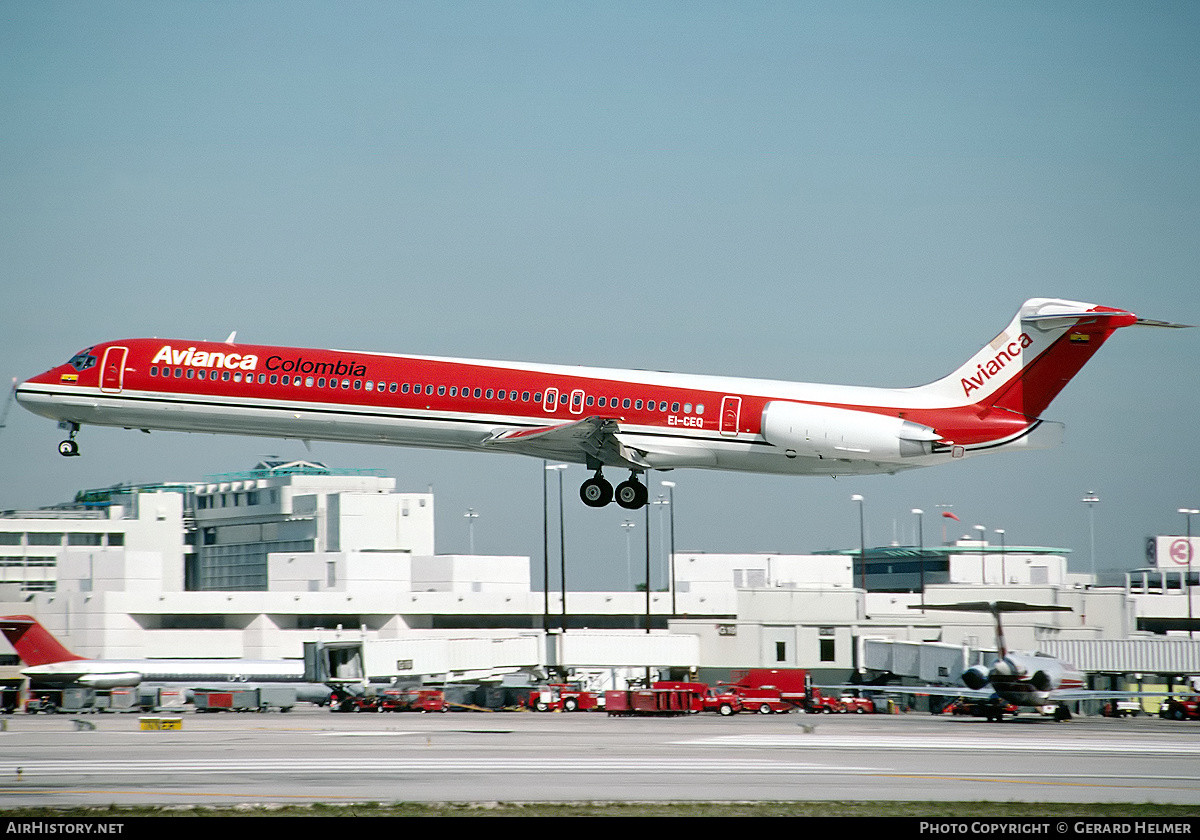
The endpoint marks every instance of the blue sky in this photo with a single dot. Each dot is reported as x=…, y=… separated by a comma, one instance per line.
x=836, y=192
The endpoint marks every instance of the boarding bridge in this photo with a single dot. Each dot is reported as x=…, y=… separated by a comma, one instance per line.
x=488, y=657
x=929, y=662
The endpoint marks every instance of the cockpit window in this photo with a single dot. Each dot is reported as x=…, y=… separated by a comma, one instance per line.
x=83, y=360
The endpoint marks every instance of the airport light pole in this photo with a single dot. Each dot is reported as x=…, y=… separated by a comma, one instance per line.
x=670, y=485
x=661, y=503
x=1091, y=500
x=545, y=552
x=920, y=514
x=982, y=557
x=562, y=542
x=1003, y=571
x=628, y=525
x=1188, y=513
x=471, y=516
x=862, y=545
x=647, y=509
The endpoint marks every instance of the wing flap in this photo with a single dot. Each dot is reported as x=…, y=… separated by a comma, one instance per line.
x=591, y=438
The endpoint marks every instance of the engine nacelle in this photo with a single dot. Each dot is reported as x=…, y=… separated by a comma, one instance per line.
x=975, y=677
x=128, y=679
x=825, y=432
x=1043, y=681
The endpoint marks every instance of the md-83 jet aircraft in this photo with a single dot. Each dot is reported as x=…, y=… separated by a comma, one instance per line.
x=620, y=419
x=50, y=665
x=1022, y=679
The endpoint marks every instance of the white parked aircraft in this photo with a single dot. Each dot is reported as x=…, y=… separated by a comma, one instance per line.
x=1024, y=680
x=623, y=419
x=49, y=665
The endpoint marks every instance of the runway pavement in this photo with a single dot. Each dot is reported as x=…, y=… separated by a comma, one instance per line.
x=314, y=755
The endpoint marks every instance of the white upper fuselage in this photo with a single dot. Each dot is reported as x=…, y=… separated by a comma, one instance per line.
x=111, y=673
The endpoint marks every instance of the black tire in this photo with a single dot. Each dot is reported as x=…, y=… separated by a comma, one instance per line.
x=596, y=492
x=764, y=709
x=725, y=710
x=570, y=704
x=632, y=494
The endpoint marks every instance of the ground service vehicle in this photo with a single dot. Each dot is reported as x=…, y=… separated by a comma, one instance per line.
x=705, y=698
x=975, y=708
x=412, y=700
x=1122, y=708
x=650, y=701
x=857, y=705
x=765, y=700
x=776, y=687
x=818, y=703
x=1180, y=708
x=245, y=699
x=564, y=696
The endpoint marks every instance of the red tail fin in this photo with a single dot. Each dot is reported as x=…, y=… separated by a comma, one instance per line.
x=1021, y=370
x=33, y=642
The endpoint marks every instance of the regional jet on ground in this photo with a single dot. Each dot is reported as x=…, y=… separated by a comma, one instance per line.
x=50, y=665
x=1025, y=680
x=621, y=419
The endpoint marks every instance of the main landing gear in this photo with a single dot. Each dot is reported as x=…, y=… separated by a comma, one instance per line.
x=630, y=494
x=69, y=448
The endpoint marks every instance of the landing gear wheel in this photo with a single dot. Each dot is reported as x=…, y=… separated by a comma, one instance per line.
x=69, y=447
x=596, y=492
x=632, y=494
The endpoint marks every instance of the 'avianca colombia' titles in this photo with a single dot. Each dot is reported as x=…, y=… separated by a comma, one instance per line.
x=429, y=384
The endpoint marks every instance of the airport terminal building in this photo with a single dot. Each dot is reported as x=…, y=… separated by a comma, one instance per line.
x=255, y=564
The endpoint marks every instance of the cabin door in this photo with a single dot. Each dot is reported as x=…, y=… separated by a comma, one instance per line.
x=112, y=371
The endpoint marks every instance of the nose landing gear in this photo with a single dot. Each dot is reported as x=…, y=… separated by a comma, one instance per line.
x=69, y=448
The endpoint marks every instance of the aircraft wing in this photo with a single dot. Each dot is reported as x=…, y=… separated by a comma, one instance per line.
x=1052, y=696
x=1097, y=694
x=934, y=690
x=575, y=441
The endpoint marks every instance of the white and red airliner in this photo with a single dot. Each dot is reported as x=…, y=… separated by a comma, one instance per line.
x=622, y=419
x=1021, y=679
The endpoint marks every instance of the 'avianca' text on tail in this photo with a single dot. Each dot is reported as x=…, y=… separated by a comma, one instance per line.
x=623, y=419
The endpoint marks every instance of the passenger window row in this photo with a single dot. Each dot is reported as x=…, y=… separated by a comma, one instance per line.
x=552, y=397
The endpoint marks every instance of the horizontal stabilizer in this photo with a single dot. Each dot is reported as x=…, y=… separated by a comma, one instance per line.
x=1147, y=322
x=992, y=607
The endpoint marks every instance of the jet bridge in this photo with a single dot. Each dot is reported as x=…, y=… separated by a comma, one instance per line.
x=385, y=660
x=930, y=662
